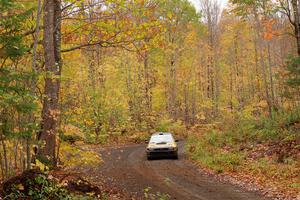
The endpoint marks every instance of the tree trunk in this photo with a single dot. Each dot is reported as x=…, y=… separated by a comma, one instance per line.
x=296, y=24
x=186, y=105
x=264, y=69
x=28, y=153
x=53, y=64
x=261, y=46
x=271, y=76
x=4, y=157
x=2, y=167
x=148, y=92
x=16, y=145
x=173, y=86
x=231, y=89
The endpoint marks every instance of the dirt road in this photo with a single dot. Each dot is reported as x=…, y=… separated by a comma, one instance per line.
x=127, y=169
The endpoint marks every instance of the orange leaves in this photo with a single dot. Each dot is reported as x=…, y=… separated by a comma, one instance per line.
x=270, y=32
x=268, y=36
x=141, y=2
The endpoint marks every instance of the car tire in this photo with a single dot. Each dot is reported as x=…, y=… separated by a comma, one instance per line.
x=149, y=158
x=175, y=157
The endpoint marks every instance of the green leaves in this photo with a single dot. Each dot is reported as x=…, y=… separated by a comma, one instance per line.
x=5, y=5
x=11, y=29
x=293, y=67
x=39, y=187
x=247, y=7
x=16, y=100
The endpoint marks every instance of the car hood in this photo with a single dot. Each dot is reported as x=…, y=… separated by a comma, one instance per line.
x=161, y=145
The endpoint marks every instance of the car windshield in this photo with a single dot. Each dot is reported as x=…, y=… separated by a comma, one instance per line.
x=161, y=139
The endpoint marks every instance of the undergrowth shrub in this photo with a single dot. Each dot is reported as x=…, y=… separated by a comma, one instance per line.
x=208, y=154
x=283, y=126
x=74, y=157
x=225, y=149
x=38, y=188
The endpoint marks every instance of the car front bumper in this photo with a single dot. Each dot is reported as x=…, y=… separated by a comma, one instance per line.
x=162, y=152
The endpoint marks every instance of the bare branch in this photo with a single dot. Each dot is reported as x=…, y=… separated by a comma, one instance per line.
x=287, y=11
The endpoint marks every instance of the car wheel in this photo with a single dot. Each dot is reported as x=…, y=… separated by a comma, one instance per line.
x=149, y=158
x=175, y=157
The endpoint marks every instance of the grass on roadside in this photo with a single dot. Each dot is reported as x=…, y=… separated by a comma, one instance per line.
x=265, y=149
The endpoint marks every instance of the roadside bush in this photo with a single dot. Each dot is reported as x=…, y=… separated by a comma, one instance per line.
x=139, y=137
x=33, y=185
x=208, y=154
x=264, y=148
x=37, y=185
x=249, y=131
x=214, y=138
x=74, y=157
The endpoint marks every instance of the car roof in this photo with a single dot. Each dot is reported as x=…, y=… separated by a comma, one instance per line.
x=161, y=133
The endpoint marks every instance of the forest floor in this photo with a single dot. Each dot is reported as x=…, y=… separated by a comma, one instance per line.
x=125, y=173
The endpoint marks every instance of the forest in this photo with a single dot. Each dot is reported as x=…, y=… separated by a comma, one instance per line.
x=226, y=80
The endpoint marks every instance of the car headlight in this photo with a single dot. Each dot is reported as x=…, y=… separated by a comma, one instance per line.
x=173, y=148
